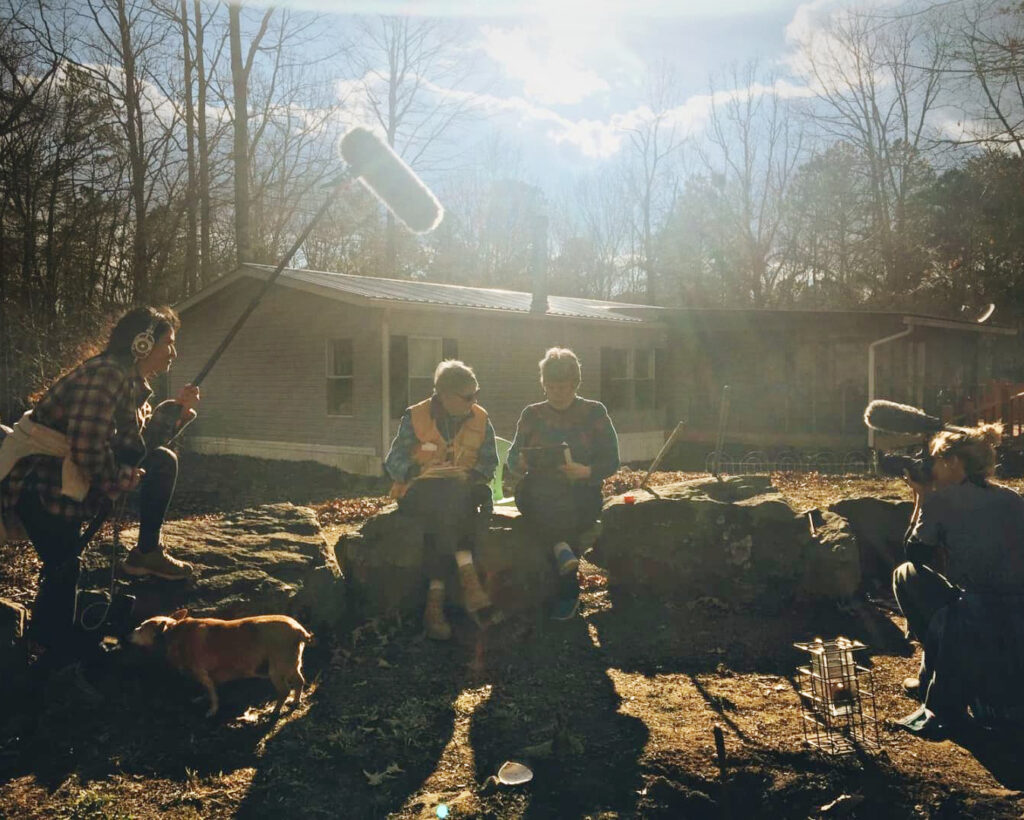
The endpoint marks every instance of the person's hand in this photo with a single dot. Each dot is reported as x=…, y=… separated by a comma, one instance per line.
x=575, y=472
x=188, y=398
x=130, y=480
x=920, y=490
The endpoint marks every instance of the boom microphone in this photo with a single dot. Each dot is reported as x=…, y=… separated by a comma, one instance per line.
x=891, y=417
x=391, y=180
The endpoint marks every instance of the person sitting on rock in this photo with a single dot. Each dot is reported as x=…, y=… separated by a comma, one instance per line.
x=441, y=461
x=85, y=444
x=962, y=587
x=564, y=448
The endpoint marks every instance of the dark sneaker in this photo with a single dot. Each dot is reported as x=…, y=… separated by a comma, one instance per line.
x=158, y=564
x=565, y=609
x=565, y=558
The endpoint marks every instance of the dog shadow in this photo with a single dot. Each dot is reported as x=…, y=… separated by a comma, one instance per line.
x=131, y=714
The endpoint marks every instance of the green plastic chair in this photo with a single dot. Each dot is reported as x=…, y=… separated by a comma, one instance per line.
x=502, y=445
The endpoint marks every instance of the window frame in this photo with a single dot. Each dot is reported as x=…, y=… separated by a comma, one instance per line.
x=448, y=347
x=629, y=382
x=330, y=376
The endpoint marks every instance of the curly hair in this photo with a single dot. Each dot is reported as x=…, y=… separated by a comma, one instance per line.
x=138, y=320
x=453, y=376
x=974, y=446
x=560, y=365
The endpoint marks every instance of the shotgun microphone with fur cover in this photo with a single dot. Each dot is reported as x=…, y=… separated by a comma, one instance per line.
x=392, y=181
x=892, y=417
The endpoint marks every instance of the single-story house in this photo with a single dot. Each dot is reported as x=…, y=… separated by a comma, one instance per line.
x=802, y=378
x=326, y=364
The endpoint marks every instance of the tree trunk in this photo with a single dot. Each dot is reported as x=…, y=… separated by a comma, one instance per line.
x=240, y=82
x=205, y=253
x=136, y=157
x=190, y=272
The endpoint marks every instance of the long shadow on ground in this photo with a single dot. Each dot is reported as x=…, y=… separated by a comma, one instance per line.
x=134, y=716
x=554, y=707
x=546, y=691
x=706, y=644
x=374, y=730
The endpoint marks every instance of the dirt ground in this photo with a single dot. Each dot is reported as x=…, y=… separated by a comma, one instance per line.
x=615, y=712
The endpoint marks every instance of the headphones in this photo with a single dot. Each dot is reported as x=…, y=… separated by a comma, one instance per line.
x=143, y=343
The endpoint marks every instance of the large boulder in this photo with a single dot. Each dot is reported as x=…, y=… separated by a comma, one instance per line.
x=383, y=564
x=269, y=559
x=879, y=525
x=737, y=540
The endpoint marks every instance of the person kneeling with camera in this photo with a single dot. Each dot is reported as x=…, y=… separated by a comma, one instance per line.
x=962, y=586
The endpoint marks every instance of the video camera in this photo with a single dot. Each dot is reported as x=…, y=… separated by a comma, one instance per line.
x=918, y=467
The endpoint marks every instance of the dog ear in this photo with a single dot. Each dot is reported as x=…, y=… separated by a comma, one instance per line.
x=179, y=614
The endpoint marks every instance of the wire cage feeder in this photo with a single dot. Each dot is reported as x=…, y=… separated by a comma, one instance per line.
x=837, y=697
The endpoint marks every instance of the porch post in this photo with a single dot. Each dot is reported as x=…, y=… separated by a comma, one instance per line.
x=385, y=383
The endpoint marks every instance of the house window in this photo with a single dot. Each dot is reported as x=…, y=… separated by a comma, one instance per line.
x=339, y=377
x=413, y=362
x=630, y=377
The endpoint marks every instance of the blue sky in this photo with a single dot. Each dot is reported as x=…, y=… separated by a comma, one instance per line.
x=566, y=78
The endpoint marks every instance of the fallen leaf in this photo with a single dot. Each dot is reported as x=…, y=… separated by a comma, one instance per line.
x=842, y=805
x=377, y=778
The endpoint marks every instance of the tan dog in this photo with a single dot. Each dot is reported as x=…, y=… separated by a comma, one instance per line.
x=215, y=651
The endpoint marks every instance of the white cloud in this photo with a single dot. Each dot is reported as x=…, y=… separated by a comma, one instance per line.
x=550, y=73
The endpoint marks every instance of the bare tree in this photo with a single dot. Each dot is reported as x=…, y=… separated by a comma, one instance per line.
x=989, y=62
x=241, y=67
x=125, y=38
x=654, y=144
x=409, y=75
x=749, y=144
x=877, y=81
x=190, y=271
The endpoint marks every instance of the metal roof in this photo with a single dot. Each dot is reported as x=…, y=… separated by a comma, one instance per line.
x=374, y=289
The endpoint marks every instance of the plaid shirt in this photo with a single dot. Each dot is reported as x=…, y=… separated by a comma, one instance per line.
x=584, y=425
x=102, y=407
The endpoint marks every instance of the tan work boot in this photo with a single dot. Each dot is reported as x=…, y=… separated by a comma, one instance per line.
x=158, y=564
x=474, y=597
x=434, y=622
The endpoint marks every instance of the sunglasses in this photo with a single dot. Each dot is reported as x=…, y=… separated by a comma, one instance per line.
x=468, y=396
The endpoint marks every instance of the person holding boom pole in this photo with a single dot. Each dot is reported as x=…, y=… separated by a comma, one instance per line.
x=85, y=444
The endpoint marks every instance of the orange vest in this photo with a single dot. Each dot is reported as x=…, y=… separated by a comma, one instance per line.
x=433, y=451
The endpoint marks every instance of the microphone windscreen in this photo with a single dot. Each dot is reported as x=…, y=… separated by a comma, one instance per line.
x=890, y=417
x=392, y=181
